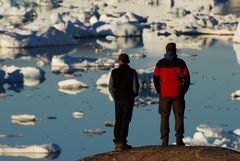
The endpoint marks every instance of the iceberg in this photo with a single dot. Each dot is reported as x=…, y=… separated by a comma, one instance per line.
x=47, y=36
x=29, y=76
x=210, y=135
x=50, y=151
x=236, y=37
x=65, y=63
x=71, y=84
x=78, y=114
x=93, y=131
x=235, y=95
x=24, y=119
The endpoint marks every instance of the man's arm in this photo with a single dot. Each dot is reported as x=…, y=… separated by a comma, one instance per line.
x=156, y=79
x=135, y=84
x=110, y=86
x=186, y=79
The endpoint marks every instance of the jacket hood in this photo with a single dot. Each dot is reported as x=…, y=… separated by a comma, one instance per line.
x=170, y=56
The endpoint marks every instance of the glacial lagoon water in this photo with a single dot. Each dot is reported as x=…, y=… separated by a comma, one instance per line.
x=215, y=74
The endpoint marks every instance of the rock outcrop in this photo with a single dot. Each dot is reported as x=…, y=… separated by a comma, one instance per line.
x=169, y=153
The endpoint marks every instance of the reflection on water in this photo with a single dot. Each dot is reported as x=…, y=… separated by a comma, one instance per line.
x=236, y=48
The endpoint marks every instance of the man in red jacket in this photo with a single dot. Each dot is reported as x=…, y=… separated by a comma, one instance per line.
x=171, y=80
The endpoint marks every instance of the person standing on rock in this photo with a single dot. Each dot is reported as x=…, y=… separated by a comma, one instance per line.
x=171, y=80
x=124, y=87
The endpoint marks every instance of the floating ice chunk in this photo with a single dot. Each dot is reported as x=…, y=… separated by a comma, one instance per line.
x=24, y=117
x=120, y=29
x=214, y=136
x=47, y=36
x=200, y=137
x=10, y=135
x=71, y=84
x=71, y=92
x=209, y=131
x=143, y=101
x=186, y=55
x=63, y=63
x=31, y=76
x=235, y=95
x=236, y=37
x=78, y=114
x=137, y=55
x=93, y=131
x=109, y=124
x=104, y=79
x=237, y=131
x=31, y=151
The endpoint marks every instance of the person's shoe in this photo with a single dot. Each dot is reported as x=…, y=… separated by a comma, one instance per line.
x=126, y=147
x=118, y=146
x=180, y=142
x=165, y=142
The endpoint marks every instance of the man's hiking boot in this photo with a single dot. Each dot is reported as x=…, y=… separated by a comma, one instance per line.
x=126, y=147
x=180, y=142
x=121, y=147
x=118, y=146
x=165, y=141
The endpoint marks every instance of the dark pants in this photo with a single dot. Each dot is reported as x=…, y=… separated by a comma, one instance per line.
x=165, y=106
x=123, y=116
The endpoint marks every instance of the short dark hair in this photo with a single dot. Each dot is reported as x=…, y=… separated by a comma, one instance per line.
x=124, y=58
x=171, y=47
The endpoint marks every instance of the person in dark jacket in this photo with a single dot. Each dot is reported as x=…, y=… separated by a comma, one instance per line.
x=123, y=86
x=171, y=80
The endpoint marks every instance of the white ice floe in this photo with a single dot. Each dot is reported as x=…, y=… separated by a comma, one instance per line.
x=104, y=79
x=196, y=24
x=93, y=131
x=30, y=76
x=64, y=63
x=237, y=131
x=71, y=84
x=109, y=124
x=10, y=135
x=48, y=36
x=30, y=151
x=210, y=135
x=121, y=51
x=236, y=48
x=236, y=37
x=235, y=95
x=24, y=117
x=78, y=114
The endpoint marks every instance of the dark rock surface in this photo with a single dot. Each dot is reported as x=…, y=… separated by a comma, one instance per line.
x=169, y=153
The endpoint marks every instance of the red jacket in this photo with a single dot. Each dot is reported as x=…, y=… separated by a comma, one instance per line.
x=171, y=77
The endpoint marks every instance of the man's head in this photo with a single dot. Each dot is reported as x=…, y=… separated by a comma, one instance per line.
x=123, y=58
x=171, y=48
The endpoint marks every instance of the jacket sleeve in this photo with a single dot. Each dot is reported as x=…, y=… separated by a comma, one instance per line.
x=135, y=84
x=156, y=79
x=111, y=86
x=186, y=79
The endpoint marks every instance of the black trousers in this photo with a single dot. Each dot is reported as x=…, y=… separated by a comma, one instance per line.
x=165, y=106
x=123, y=116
